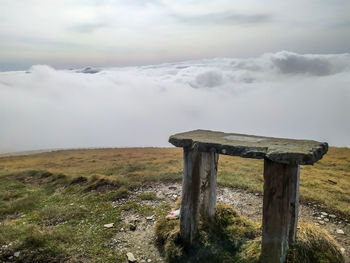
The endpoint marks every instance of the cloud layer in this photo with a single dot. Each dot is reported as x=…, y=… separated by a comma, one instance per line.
x=277, y=94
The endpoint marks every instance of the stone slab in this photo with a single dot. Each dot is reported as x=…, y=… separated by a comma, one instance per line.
x=280, y=150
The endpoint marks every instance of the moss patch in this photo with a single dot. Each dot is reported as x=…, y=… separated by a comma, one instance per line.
x=219, y=241
x=234, y=238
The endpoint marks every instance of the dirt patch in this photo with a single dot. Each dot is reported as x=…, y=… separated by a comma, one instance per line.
x=141, y=242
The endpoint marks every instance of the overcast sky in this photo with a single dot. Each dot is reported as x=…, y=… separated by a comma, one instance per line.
x=272, y=68
x=66, y=33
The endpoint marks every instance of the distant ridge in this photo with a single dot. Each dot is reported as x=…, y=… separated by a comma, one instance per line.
x=28, y=152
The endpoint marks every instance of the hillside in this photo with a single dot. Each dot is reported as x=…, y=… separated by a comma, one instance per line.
x=48, y=196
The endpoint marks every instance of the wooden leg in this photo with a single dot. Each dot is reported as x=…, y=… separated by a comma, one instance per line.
x=189, y=212
x=294, y=204
x=208, y=171
x=280, y=210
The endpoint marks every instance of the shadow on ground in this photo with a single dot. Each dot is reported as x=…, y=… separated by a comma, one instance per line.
x=234, y=238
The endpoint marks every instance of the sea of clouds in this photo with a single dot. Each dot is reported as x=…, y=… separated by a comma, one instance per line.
x=279, y=94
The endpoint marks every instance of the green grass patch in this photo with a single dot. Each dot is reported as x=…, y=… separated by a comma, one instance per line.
x=49, y=219
x=143, y=210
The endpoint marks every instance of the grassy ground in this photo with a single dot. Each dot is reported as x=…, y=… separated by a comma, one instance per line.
x=233, y=238
x=46, y=197
x=314, y=184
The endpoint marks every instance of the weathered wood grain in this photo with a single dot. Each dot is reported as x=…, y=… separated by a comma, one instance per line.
x=189, y=211
x=294, y=203
x=208, y=172
x=280, y=210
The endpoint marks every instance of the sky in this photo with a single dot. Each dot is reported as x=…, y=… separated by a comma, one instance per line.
x=65, y=33
x=103, y=73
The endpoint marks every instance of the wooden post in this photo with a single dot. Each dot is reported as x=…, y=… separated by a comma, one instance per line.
x=189, y=211
x=280, y=210
x=208, y=171
x=294, y=203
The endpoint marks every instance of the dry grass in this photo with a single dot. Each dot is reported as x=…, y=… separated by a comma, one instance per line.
x=219, y=241
x=314, y=244
x=233, y=238
x=138, y=162
x=139, y=165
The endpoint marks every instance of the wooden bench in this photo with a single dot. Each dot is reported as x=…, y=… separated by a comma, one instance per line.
x=282, y=158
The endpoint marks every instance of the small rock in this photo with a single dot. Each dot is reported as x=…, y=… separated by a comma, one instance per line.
x=122, y=229
x=110, y=225
x=326, y=219
x=321, y=222
x=172, y=187
x=319, y=217
x=11, y=257
x=342, y=250
x=131, y=257
x=149, y=218
x=317, y=224
x=339, y=231
x=256, y=194
x=16, y=254
x=149, y=260
x=132, y=227
x=331, y=181
x=332, y=216
x=324, y=214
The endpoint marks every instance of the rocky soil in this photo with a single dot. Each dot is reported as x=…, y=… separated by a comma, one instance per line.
x=137, y=237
